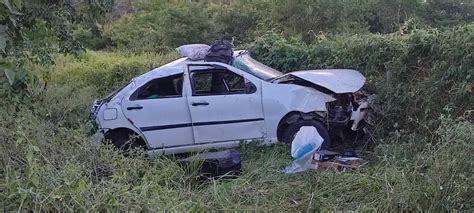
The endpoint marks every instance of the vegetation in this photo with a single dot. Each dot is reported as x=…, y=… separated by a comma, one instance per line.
x=418, y=60
x=152, y=27
x=416, y=76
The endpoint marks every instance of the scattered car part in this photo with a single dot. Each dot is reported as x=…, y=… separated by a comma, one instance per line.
x=324, y=155
x=217, y=164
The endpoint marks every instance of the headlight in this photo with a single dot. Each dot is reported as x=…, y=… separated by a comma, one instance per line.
x=94, y=109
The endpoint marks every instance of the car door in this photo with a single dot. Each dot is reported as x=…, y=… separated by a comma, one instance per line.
x=160, y=110
x=225, y=105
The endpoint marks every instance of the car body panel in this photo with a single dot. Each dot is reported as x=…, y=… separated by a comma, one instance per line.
x=281, y=99
x=157, y=120
x=227, y=117
x=105, y=125
x=336, y=80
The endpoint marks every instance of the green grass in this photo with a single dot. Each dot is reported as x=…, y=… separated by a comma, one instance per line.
x=77, y=176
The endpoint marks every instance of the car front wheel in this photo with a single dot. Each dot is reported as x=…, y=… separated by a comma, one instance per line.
x=290, y=132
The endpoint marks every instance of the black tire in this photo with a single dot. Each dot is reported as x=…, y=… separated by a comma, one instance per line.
x=124, y=141
x=290, y=132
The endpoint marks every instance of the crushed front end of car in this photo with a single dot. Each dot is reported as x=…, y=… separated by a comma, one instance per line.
x=348, y=117
x=346, y=114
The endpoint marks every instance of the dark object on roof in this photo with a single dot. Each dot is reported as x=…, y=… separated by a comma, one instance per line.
x=218, y=164
x=220, y=51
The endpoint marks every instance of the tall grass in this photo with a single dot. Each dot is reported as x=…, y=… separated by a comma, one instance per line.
x=104, y=70
x=47, y=167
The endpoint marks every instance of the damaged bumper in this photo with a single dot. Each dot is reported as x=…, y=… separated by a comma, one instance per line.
x=349, y=110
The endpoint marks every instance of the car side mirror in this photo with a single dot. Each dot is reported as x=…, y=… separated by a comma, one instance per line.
x=250, y=87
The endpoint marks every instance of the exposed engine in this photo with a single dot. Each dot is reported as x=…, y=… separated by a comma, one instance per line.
x=348, y=109
x=340, y=110
x=348, y=112
x=347, y=115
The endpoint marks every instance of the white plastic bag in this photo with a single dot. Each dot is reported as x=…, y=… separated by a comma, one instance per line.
x=193, y=51
x=307, y=141
x=305, y=137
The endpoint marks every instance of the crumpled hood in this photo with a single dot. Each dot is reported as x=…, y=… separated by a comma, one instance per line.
x=336, y=80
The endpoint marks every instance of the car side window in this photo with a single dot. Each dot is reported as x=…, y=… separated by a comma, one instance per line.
x=217, y=82
x=165, y=87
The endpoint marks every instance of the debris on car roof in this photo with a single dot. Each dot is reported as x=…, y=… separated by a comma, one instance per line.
x=194, y=52
x=219, y=51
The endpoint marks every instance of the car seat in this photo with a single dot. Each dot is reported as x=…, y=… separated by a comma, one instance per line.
x=179, y=86
x=217, y=84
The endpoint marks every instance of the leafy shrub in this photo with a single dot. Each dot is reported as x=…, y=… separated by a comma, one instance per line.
x=90, y=40
x=160, y=26
x=415, y=76
x=127, y=35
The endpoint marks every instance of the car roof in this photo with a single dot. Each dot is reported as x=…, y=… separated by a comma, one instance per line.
x=176, y=67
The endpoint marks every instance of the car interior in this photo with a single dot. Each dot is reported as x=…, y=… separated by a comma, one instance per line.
x=208, y=82
x=217, y=82
x=167, y=87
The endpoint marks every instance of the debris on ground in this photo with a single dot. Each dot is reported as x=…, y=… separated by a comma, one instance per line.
x=305, y=149
x=325, y=160
x=307, y=140
x=324, y=155
x=222, y=164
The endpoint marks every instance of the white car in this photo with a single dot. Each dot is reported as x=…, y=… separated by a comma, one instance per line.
x=191, y=105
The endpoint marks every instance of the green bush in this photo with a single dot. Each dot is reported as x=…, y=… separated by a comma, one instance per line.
x=160, y=26
x=90, y=40
x=104, y=71
x=415, y=76
x=127, y=35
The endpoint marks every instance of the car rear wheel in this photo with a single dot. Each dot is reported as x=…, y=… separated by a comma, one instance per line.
x=292, y=129
x=124, y=140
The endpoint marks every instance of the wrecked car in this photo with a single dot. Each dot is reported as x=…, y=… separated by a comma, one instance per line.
x=190, y=105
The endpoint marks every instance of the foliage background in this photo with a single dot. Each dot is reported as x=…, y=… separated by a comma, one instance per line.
x=58, y=56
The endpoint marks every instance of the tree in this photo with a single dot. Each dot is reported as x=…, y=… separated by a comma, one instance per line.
x=36, y=30
x=449, y=12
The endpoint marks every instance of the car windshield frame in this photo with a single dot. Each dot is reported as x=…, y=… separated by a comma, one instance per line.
x=109, y=97
x=249, y=65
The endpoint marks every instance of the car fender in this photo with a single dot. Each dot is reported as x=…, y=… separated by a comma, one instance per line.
x=281, y=99
x=110, y=116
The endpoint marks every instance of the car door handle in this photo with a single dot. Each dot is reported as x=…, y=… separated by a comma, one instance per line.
x=203, y=103
x=134, y=107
